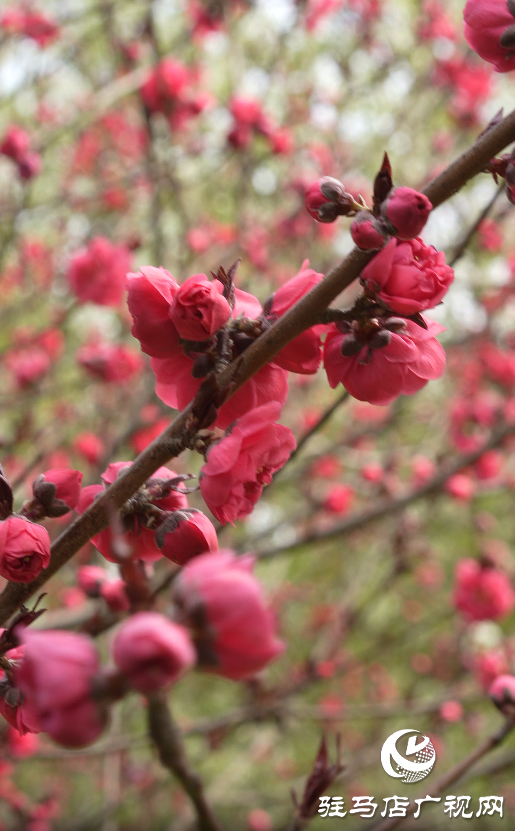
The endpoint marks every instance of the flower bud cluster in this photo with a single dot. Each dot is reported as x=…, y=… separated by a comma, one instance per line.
x=52, y=681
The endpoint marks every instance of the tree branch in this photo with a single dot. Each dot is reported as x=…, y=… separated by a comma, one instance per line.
x=300, y=317
x=386, y=507
x=167, y=737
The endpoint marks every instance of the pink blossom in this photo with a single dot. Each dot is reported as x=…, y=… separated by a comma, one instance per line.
x=409, y=276
x=151, y=293
x=22, y=746
x=97, y=273
x=318, y=205
x=406, y=211
x=198, y=309
x=67, y=484
x=90, y=447
x=185, y=534
x=115, y=595
x=165, y=85
x=11, y=701
x=28, y=365
x=91, y=579
x=488, y=31
x=237, y=636
x=15, y=143
x=55, y=677
x=339, y=498
x=487, y=666
x=140, y=539
x=460, y=486
x=246, y=110
x=176, y=386
x=481, y=592
x=243, y=461
x=31, y=23
x=304, y=353
x=259, y=820
x=30, y=165
x=451, y=711
x=24, y=549
x=502, y=693
x=152, y=652
x=402, y=367
x=112, y=363
x=367, y=232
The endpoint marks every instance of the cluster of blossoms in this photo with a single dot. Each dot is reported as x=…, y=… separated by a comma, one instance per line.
x=374, y=352
x=32, y=355
x=157, y=521
x=169, y=90
x=30, y=23
x=249, y=119
x=16, y=146
x=53, y=681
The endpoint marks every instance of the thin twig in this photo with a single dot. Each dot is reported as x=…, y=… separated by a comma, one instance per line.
x=387, y=507
x=167, y=738
x=322, y=421
x=463, y=244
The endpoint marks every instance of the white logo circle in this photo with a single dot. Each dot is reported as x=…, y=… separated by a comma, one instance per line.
x=405, y=770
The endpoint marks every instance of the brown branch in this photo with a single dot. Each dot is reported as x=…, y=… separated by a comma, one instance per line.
x=167, y=738
x=387, y=507
x=457, y=771
x=321, y=422
x=302, y=316
x=463, y=244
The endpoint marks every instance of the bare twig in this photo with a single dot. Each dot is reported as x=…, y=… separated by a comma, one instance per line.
x=167, y=738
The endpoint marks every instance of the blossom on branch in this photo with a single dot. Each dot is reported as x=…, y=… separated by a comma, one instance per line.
x=233, y=629
x=408, y=276
x=152, y=652
x=56, y=678
x=400, y=363
x=24, y=549
x=244, y=461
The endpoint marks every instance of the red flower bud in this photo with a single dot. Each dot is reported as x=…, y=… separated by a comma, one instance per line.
x=367, y=233
x=91, y=579
x=115, y=595
x=24, y=549
x=502, y=693
x=67, y=484
x=56, y=678
x=234, y=630
x=152, y=652
x=185, y=534
x=406, y=211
